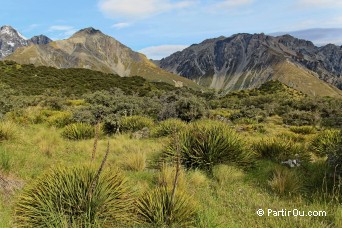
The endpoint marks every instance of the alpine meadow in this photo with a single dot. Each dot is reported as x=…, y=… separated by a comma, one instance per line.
x=243, y=130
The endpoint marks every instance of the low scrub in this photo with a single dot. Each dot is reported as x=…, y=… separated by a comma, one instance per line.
x=168, y=127
x=78, y=131
x=160, y=209
x=135, y=123
x=208, y=143
x=69, y=197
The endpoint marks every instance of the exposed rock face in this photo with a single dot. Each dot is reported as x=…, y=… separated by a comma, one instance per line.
x=11, y=39
x=41, y=39
x=90, y=48
x=246, y=61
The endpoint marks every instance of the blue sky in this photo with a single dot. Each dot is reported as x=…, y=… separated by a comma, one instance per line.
x=160, y=27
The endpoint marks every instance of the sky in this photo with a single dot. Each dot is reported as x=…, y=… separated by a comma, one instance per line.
x=158, y=28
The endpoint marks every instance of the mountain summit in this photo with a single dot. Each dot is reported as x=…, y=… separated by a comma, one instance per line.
x=245, y=61
x=91, y=49
x=11, y=39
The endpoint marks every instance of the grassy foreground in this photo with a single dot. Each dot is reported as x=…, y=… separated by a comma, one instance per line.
x=229, y=197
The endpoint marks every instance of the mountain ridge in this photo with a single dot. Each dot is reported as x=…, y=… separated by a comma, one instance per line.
x=244, y=61
x=91, y=49
x=11, y=39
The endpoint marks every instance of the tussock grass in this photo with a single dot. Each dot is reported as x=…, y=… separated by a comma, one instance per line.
x=8, y=130
x=134, y=161
x=62, y=197
x=278, y=150
x=156, y=208
x=135, y=123
x=286, y=182
x=78, y=131
x=208, y=143
x=168, y=127
x=304, y=130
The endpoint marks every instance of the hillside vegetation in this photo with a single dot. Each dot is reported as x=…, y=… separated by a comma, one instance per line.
x=124, y=152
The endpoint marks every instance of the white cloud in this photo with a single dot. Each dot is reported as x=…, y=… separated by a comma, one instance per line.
x=121, y=25
x=228, y=4
x=60, y=28
x=159, y=52
x=139, y=8
x=320, y=3
x=64, y=30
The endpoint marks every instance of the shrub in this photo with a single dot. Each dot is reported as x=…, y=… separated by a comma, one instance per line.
x=190, y=108
x=304, y=130
x=62, y=197
x=277, y=149
x=156, y=208
x=78, y=131
x=325, y=142
x=168, y=127
x=8, y=131
x=300, y=118
x=59, y=119
x=208, y=143
x=135, y=123
x=286, y=182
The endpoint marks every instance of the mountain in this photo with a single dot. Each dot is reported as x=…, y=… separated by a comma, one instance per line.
x=91, y=49
x=245, y=61
x=11, y=39
x=41, y=39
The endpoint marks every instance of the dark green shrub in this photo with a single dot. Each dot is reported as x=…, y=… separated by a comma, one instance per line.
x=156, y=208
x=62, y=198
x=135, y=123
x=168, y=127
x=207, y=143
x=279, y=149
x=190, y=108
x=300, y=118
x=78, y=131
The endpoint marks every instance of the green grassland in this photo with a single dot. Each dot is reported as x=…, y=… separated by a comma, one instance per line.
x=240, y=141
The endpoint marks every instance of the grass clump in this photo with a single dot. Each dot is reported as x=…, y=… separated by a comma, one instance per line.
x=325, y=142
x=61, y=199
x=8, y=131
x=168, y=127
x=279, y=149
x=304, y=130
x=135, y=123
x=286, y=182
x=157, y=208
x=135, y=161
x=78, y=131
x=208, y=143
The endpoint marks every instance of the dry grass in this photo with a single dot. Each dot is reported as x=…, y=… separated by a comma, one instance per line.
x=134, y=161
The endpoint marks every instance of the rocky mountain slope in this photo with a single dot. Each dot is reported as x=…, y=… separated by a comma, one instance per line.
x=91, y=49
x=11, y=39
x=247, y=61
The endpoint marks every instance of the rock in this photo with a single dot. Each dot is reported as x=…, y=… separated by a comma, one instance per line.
x=141, y=134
